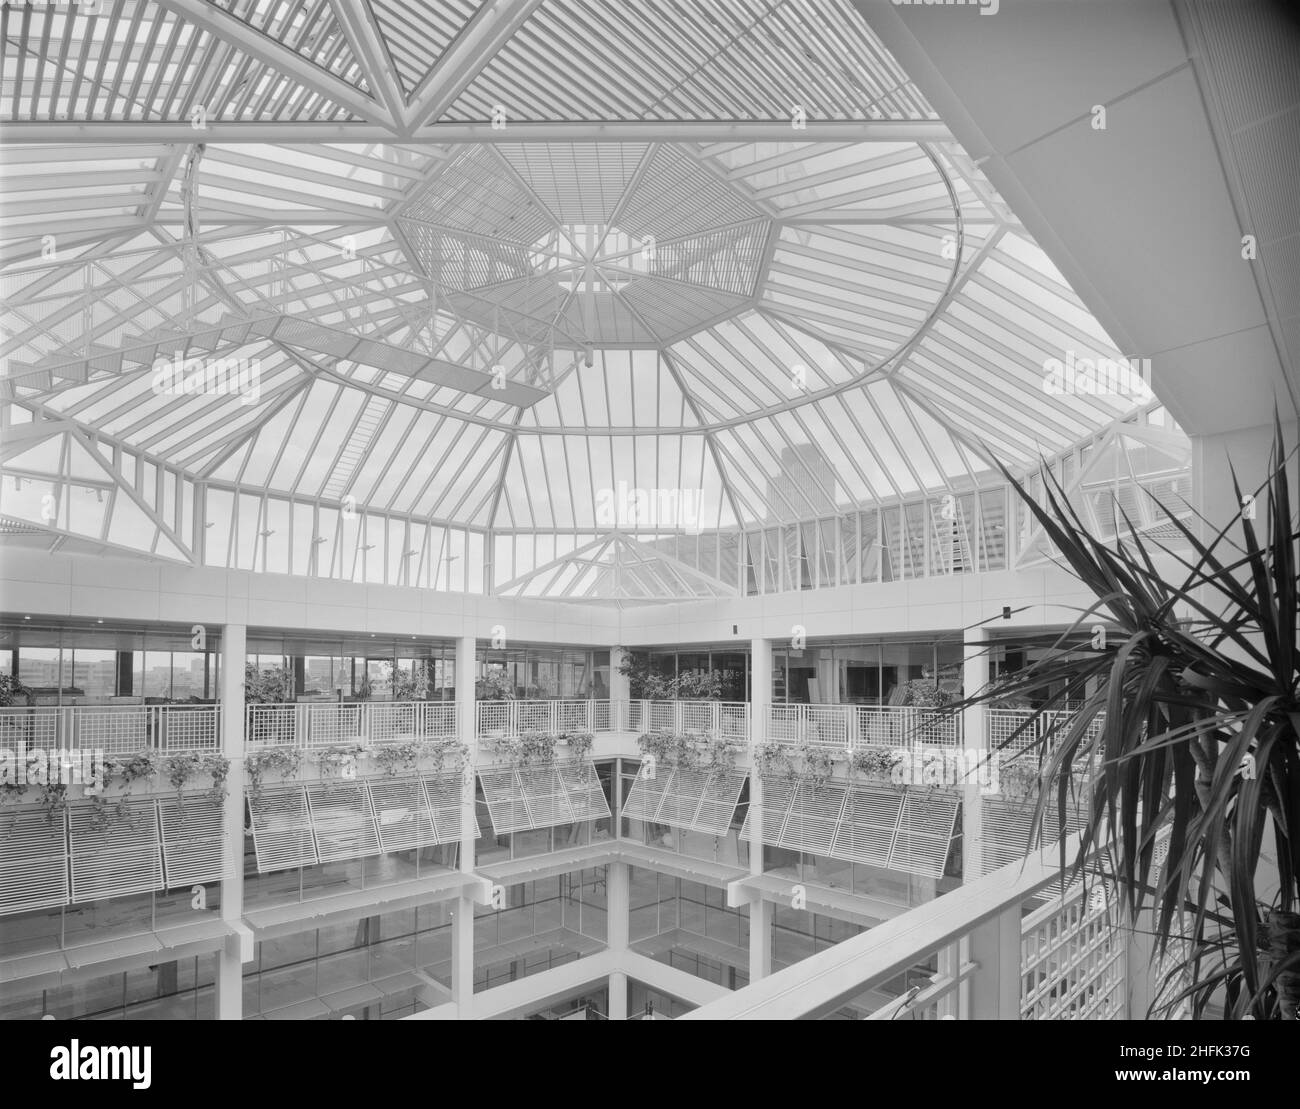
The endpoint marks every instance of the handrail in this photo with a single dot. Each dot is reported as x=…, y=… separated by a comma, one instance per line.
x=827, y=981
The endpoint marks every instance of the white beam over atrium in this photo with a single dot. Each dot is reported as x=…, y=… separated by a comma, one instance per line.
x=434, y=135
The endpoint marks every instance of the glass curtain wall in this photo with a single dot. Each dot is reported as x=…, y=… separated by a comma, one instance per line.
x=547, y=673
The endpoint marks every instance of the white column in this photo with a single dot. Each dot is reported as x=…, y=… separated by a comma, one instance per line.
x=618, y=996
x=760, y=704
x=462, y=933
x=974, y=677
x=618, y=907
x=462, y=957
x=760, y=939
x=230, y=974
x=620, y=690
x=466, y=729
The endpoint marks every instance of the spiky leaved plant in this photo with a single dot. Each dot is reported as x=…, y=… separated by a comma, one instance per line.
x=1195, y=691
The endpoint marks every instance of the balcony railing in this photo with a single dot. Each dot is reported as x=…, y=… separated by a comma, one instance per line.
x=721, y=718
x=325, y=725
x=111, y=728
x=852, y=726
x=948, y=958
x=496, y=719
x=1002, y=724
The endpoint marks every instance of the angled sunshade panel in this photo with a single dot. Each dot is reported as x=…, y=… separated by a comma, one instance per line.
x=778, y=794
x=505, y=800
x=1007, y=826
x=444, y=794
x=814, y=814
x=546, y=796
x=402, y=813
x=866, y=832
x=343, y=821
x=191, y=840
x=33, y=861
x=681, y=800
x=647, y=794
x=115, y=857
x=585, y=796
x=925, y=831
x=718, y=802
x=282, y=833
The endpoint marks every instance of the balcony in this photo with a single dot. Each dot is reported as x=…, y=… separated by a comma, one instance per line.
x=1011, y=946
x=502, y=719
x=113, y=729
x=325, y=725
x=850, y=727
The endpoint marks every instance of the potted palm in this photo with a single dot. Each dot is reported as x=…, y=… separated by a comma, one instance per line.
x=1190, y=736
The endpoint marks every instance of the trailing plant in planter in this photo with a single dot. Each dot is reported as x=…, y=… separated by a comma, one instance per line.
x=818, y=765
x=876, y=763
x=335, y=761
x=182, y=769
x=1019, y=779
x=1199, y=741
x=772, y=760
x=412, y=756
x=534, y=749
x=718, y=753
x=450, y=756
x=283, y=761
x=392, y=757
x=579, y=743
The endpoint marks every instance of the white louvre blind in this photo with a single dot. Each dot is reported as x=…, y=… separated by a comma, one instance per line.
x=778, y=793
x=586, y=798
x=444, y=794
x=402, y=813
x=681, y=799
x=1007, y=826
x=644, y=798
x=33, y=861
x=813, y=817
x=121, y=857
x=909, y=830
x=534, y=797
x=866, y=833
x=925, y=829
x=718, y=801
x=191, y=840
x=282, y=835
x=546, y=796
x=505, y=800
x=343, y=821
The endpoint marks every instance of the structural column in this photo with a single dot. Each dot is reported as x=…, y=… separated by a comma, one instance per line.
x=760, y=705
x=618, y=908
x=620, y=690
x=462, y=935
x=238, y=944
x=974, y=723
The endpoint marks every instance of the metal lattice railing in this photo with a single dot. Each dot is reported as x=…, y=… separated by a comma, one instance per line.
x=719, y=718
x=1072, y=958
x=856, y=726
x=112, y=729
x=497, y=719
